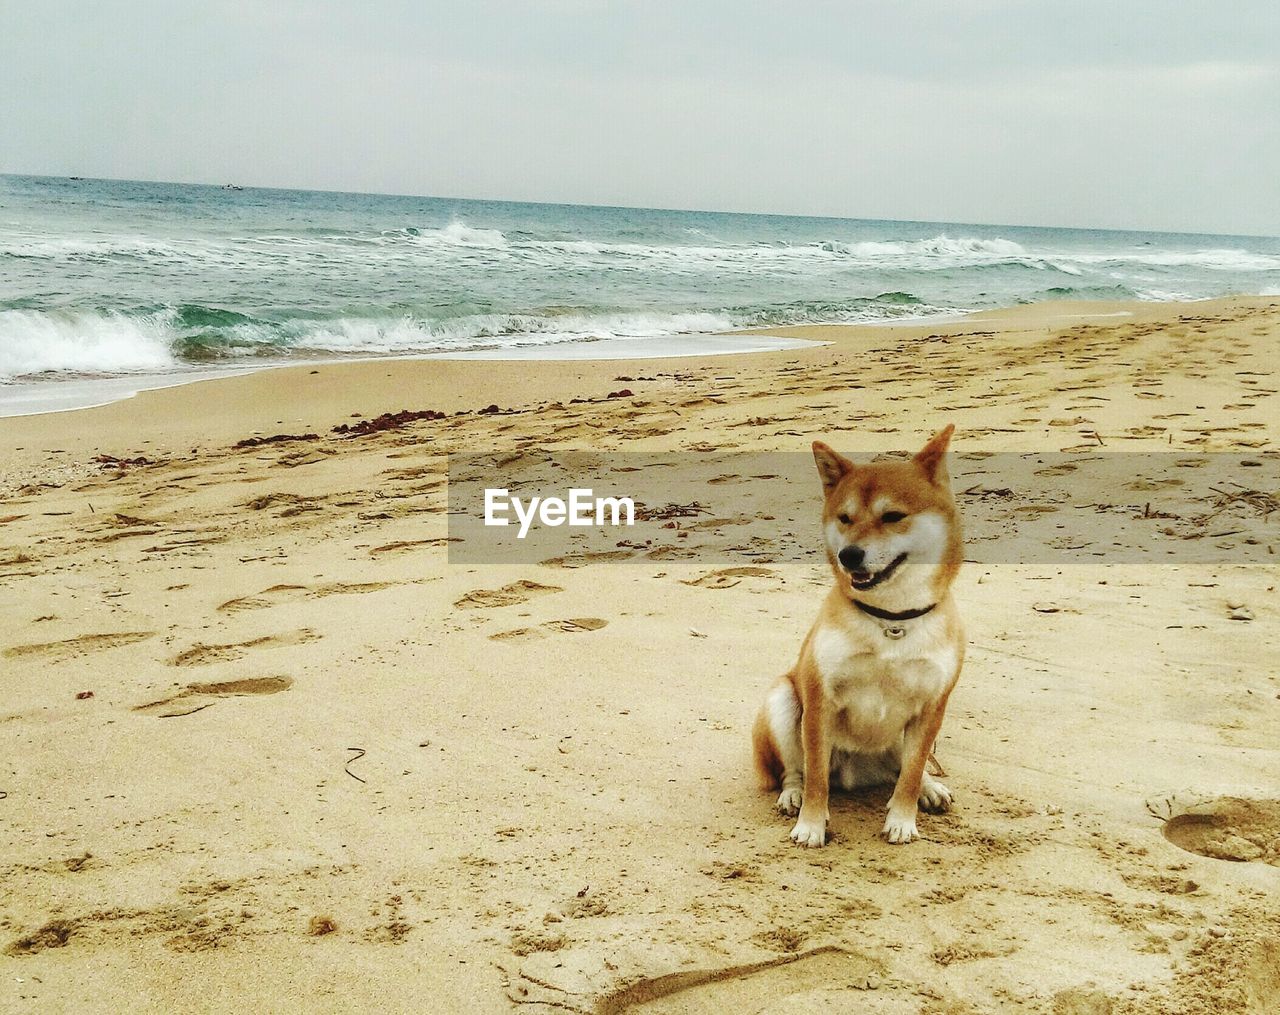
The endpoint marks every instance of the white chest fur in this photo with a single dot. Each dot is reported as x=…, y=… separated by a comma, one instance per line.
x=876, y=685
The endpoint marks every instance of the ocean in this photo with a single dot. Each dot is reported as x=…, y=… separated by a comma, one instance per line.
x=103, y=278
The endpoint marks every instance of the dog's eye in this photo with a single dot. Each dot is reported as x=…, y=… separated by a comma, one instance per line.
x=843, y=519
x=889, y=517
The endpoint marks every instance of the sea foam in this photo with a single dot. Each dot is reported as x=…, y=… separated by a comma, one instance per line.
x=34, y=342
x=37, y=342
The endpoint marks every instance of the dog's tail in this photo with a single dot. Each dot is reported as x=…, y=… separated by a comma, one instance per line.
x=768, y=761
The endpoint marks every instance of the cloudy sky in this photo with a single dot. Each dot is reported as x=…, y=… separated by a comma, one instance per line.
x=1086, y=113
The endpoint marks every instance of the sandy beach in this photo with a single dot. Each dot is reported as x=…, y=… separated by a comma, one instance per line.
x=264, y=748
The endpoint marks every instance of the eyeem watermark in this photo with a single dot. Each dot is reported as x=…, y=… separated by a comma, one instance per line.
x=582, y=508
x=761, y=509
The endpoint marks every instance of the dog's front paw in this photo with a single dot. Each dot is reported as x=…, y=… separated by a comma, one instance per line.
x=789, y=801
x=934, y=797
x=900, y=827
x=809, y=833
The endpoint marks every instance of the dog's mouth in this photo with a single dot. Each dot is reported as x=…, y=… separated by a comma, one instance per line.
x=863, y=580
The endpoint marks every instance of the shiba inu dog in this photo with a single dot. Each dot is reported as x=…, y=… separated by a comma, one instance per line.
x=865, y=700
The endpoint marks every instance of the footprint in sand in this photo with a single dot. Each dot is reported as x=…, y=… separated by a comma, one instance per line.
x=573, y=625
x=410, y=544
x=198, y=696
x=73, y=648
x=290, y=501
x=509, y=595
x=1066, y=468
x=719, y=523
x=115, y=537
x=673, y=552
x=730, y=576
x=284, y=593
x=583, y=559
x=186, y=925
x=1144, y=485
x=201, y=654
x=1223, y=828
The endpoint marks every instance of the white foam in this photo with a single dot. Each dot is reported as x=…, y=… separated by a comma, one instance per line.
x=459, y=241
x=1213, y=260
x=38, y=342
x=460, y=244
x=937, y=246
x=665, y=347
x=465, y=236
x=33, y=342
x=406, y=334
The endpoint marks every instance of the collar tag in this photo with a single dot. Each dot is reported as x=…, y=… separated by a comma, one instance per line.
x=895, y=632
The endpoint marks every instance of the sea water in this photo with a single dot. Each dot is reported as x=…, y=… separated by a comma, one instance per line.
x=102, y=278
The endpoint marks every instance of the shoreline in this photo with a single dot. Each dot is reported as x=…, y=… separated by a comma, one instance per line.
x=86, y=392
x=25, y=398
x=240, y=386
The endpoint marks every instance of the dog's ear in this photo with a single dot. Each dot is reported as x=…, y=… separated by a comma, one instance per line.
x=832, y=467
x=932, y=457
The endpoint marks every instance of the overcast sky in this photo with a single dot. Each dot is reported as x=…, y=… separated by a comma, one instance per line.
x=1121, y=113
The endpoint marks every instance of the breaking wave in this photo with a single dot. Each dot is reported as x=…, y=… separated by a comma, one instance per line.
x=938, y=246
x=36, y=342
x=459, y=242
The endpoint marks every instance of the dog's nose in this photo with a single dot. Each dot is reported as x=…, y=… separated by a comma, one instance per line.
x=852, y=557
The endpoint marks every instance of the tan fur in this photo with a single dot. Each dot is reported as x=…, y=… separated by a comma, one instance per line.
x=768, y=764
x=860, y=706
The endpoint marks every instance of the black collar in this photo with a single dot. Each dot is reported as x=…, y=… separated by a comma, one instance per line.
x=880, y=614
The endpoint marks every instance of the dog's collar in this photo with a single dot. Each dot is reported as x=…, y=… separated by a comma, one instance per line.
x=879, y=614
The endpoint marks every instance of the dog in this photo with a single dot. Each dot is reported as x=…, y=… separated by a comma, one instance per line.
x=864, y=702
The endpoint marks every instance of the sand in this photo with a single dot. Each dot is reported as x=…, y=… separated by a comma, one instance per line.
x=262, y=747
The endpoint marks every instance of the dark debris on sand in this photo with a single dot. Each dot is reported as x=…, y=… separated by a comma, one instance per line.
x=280, y=438
x=387, y=421
x=112, y=462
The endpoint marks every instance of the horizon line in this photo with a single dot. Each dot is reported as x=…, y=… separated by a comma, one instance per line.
x=631, y=207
